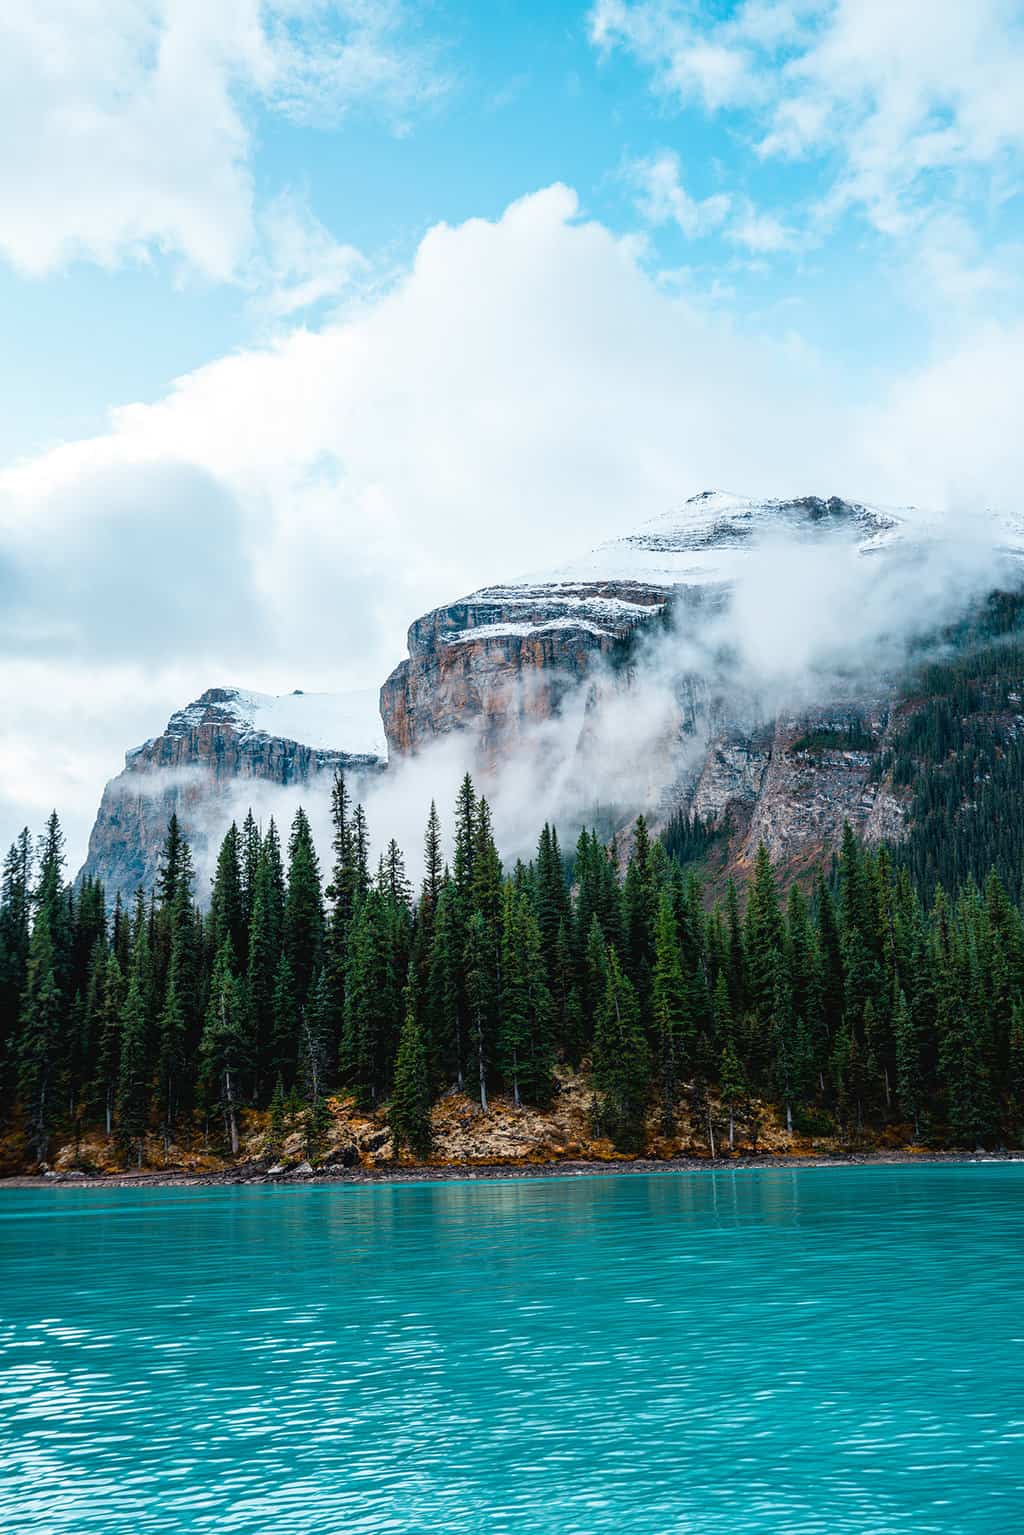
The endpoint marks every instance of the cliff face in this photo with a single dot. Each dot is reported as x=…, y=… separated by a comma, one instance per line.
x=785, y=785
x=201, y=764
x=505, y=659
x=560, y=668
x=508, y=659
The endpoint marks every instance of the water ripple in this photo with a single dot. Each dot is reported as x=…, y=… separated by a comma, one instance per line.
x=813, y=1353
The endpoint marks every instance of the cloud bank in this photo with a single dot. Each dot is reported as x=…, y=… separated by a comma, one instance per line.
x=525, y=390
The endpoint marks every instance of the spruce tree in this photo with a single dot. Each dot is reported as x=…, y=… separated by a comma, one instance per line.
x=225, y=1049
x=409, y=1113
x=227, y=905
x=621, y=1060
x=733, y=1087
x=672, y=1013
x=526, y=1016
x=42, y=1016
x=303, y=910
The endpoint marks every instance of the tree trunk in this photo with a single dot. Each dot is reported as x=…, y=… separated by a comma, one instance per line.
x=232, y=1122
x=732, y=1127
x=480, y=1064
x=711, y=1135
x=789, y=1118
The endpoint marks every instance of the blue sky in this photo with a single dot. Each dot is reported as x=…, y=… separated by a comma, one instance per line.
x=348, y=305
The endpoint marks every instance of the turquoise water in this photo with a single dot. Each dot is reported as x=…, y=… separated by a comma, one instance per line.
x=822, y=1350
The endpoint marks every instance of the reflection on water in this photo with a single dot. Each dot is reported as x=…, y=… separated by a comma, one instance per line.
x=816, y=1351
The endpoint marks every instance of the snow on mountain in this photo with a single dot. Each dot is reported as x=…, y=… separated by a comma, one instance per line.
x=711, y=536
x=333, y=722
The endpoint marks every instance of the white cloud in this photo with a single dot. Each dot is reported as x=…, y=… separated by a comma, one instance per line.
x=662, y=198
x=126, y=125
x=903, y=105
x=759, y=232
x=525, y=390
x=303, y=264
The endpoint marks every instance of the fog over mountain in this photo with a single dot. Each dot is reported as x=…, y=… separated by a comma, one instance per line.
x=654, y=673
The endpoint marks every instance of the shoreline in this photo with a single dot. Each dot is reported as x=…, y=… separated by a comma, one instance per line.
x=253, y=1176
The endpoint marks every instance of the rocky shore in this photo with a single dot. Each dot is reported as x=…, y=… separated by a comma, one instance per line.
x=258, y=1174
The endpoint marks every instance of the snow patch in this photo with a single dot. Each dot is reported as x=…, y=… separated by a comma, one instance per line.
x=347, y=723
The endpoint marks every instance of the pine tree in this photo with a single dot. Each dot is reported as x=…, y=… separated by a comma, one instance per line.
x=42, y=1015
x=479, y=969
x=409, y=1114
x=909, y=1085
x=45, y=1009
x=764, y=934
x=524, y=1035
x=639, y=906
x=303, y=911
x=444, y=999
x=372, y=1001
x=266, y=928
x=672, y=1013
x=134, y=1086
x=15, y=936
x=621, y=1061
x=316, y=1040
x=227, y=905
x=282, y=1047
x=791, y=1064
x=225, y=1050
x=733, y=1085
x=277, y=1121
x=250, y=847
x=433, y=865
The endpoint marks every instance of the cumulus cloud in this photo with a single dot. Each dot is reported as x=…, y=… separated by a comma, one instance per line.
x=130, y=559
x=524, y=391
x=663, y=199
x=127, y=124
x=903, y=105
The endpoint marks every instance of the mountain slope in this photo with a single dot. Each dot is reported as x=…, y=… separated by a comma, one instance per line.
x=208, y=751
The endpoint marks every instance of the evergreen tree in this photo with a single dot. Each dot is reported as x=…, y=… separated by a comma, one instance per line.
x=524, y=1036
x=909, y=1084
x=303, y=910
x=277, y=1121
x=409, y=1115
x=479, y=968
x=134, y=1084
x=225, y=1049
x=672, y=1015
x=733, y=1085
x=227, y=905
x=621, y=1063
x=42, y=1015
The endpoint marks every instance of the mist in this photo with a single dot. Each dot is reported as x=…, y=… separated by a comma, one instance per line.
x=809, y=623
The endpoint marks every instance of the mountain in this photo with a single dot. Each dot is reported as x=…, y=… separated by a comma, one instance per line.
x=505, y=658
x=554, y=671
x=228, y=738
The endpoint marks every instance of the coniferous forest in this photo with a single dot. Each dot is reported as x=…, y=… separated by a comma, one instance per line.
x=847, y=1009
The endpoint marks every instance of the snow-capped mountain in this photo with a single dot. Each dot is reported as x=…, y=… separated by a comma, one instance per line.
x=208, y=751
x=473, y=661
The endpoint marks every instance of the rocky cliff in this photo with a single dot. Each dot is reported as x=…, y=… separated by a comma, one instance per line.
x=508, y=657
x=225, y=746
x=611, y=676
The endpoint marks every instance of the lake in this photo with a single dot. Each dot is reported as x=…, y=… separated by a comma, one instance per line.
x=823, y=1350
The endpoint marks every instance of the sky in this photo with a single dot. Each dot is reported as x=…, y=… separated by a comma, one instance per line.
x=318, y=313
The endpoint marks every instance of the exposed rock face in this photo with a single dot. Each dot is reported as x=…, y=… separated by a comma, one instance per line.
x=795, y=797
x=507, y=657
x=200, y=765
x=548, y=668
x=504, y=659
